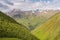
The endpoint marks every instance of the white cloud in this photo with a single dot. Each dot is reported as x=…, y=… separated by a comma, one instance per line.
x=28, y=5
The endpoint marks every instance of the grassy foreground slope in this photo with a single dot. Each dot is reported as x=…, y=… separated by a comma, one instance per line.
x=49, y=30
x=9, y=28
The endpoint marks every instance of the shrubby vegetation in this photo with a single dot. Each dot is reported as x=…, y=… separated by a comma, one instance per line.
x=9, y=28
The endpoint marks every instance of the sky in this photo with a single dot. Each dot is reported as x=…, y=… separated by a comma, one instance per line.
x=7, y=5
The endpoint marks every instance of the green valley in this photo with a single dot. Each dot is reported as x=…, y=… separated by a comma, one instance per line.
x=31, y=22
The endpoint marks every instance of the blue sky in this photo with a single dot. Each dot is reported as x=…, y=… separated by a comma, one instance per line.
x=6, y=5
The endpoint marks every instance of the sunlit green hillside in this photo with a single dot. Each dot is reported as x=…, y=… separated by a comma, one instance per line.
x=49, y=30
x=9, y=28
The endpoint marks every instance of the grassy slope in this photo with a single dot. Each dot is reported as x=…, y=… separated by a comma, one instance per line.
x=11, y=29
x=49, y=30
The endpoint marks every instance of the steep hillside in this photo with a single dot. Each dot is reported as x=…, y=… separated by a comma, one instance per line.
x=11, y=29
x=49, y=30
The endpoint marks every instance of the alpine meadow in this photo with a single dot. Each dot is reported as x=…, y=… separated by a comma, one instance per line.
x=29, y=19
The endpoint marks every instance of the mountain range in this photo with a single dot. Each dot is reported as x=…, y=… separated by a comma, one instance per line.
x=30, y=25
x=31, y=19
